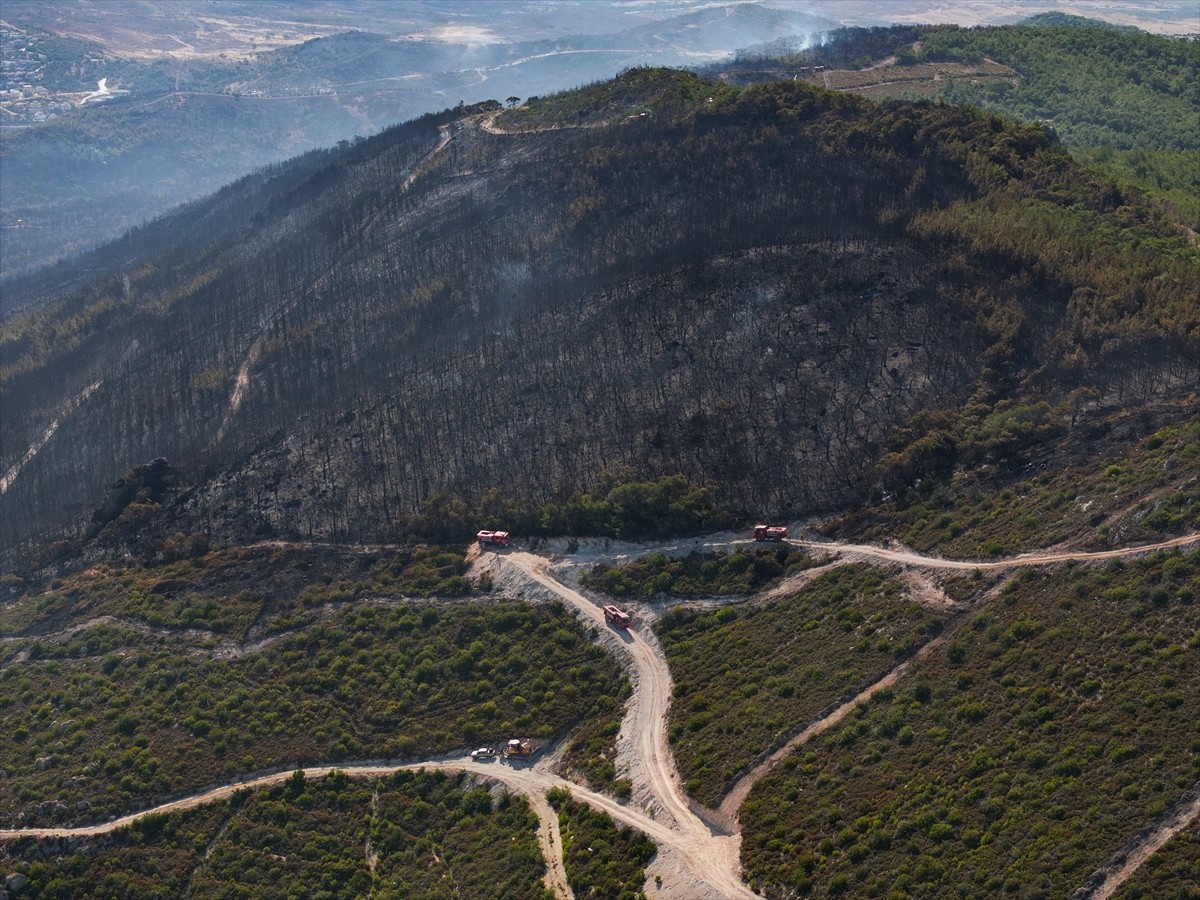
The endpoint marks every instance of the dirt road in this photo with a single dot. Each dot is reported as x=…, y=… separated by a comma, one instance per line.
x=1114, y=873
x=741, y=790
x=910, y=558
x=532, y=783
x=714, y=858
x=709, y=855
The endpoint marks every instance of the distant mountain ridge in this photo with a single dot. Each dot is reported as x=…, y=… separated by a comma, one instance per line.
x=1097, y=85
x=183, y=128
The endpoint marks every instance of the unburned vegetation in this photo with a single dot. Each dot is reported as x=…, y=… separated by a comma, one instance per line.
x=592, y=753
x=1144, y=488
x=228, y=591
x=697, y=574
x=409, y=834
x=602, y=859
x=1173, y=871
x=747, y=677
x=1057, y=722
x=117, y=730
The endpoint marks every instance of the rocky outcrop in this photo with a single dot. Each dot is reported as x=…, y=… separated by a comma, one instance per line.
x=149, y=482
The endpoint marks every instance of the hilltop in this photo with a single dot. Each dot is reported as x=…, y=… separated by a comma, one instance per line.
x=526, y=302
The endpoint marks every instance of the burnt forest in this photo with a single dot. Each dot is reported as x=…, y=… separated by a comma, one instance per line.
x=797, y=299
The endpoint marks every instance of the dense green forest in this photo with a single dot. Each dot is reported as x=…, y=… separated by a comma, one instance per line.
x=1125, y=101
x=1095, y=86
x=618, y=506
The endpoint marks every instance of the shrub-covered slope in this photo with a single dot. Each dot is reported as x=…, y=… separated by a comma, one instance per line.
x=404, y=835
x=1173, y=871
x=602, y=859
x=746, y=677
x=1059, y=720
x=106, y=717
x=1121, y=479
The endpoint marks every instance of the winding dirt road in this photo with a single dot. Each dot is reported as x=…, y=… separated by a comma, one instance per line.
x=712, y=857
x=1108, y=878
x=709, y=853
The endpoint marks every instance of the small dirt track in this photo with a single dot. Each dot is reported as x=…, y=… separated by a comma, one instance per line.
x=241, y=383
x=1109, y=877
x=70, y=406
x=909, y=558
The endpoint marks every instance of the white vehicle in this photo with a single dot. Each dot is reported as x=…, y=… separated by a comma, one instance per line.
x=483, y=753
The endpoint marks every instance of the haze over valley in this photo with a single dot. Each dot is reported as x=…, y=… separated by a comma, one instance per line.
x=110, y=115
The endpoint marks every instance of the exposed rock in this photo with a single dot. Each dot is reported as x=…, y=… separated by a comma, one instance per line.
x=42, y=763
x=15, y=883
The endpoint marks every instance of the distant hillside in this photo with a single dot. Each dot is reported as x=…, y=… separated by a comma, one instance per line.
x=179, y=129
x=1096, y=86
x=1125, y=101
x=450, y=309
x=1066, y=20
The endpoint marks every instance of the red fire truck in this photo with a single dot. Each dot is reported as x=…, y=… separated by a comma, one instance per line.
x=770, y=532
x=492, y=539
x=617, y=617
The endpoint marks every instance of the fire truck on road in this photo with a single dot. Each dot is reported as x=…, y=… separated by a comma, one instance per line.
x=617, y=617
x=492, y=539
x=770, y=532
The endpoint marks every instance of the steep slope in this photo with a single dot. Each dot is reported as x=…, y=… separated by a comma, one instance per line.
x=754, y=288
